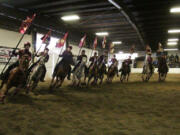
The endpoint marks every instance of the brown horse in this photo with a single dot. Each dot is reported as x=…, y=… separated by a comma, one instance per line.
x=16, y=78
x=112, y=71
x=125, y=72
x=59, y=76
x=93, y=73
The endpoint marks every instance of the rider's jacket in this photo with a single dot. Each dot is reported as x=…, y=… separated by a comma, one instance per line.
x=128, y=62
x=93, y=59
x=150, y=60
x=67, y=57
x=102, y=58
x=46, y=56
x=113, y=60
x=79, y=58
x=21, y=53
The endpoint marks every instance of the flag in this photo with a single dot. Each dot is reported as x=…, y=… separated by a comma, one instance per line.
x=62, y=41
x=111, y=48
x=95, y=43
x=26, y=24
x=132, y=49
x=46, y=38
x=82, y=41
x=104, y=43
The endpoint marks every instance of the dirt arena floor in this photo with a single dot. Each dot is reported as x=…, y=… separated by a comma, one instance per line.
x=133, y=108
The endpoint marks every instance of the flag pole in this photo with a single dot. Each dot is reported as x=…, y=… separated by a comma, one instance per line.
x=59, y=54
x=13, y=50
x=79, y=51
x=17, y=45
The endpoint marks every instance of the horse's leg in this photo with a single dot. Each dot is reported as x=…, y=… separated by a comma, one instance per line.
x=60, y=83
x=101, y=79
x=52, y=82
x=2, y=83
x=89, y=79
x=128, y=77
x=4, y=92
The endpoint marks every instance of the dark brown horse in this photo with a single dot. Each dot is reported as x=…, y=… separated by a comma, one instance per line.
x=162, y=69
x=112, y=71
x=125, y=72
x=17, y=78
x=59, y=76
x=92, y=73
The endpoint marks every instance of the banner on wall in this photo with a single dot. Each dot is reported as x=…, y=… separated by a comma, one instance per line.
x=5, y=53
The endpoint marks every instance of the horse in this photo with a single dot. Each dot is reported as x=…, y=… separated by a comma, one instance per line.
x=79, y=72
x=162, y=69
x=17, y=78
x=125, y=72
x=92, y=73
x=146, y=73
x=35, y=74
x=101, y=72
x=59, y=76
x=112, y=72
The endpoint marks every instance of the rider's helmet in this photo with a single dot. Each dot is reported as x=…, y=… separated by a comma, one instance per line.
x=70, y=47
x=47, y=49
x=27, y=44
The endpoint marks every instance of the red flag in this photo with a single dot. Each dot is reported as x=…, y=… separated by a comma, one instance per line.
x=82, y=41
x=26, y=24
x=111, y=48
x=62, y=41
x=104, y=43
x=95, y=43
x=132, y=49
x=46, y=38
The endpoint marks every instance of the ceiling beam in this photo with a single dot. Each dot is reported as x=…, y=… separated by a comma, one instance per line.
x=81, y=11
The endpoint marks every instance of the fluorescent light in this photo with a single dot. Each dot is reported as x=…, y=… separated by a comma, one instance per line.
x=175, y=10
x=173, y=39
x=172, y=43
x=117, y=42
x=102, y=33
x=174, y=31
x=115, y=4
x=70, y=18
x=174, y=49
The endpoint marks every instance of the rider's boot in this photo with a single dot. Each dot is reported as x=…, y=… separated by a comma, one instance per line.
x=69, y=75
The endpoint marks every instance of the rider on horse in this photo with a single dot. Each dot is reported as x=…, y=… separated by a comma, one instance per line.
x=161, y=57
x=103, y=58
x=148, y=58
x=43, y=55
x=114, y=63
x=126, y=62
x=93, y=59
x=67, y=57
x=79, y=59
x=20, y=53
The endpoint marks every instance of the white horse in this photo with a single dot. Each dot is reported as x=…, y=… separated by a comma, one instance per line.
x=79, y=73
x=35, y=75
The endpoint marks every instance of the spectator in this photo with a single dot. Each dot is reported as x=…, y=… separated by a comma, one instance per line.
x=177, y=58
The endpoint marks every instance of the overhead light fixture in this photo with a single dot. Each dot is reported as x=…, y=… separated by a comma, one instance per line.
x=114, y=3
x=174, y=31
x=102, y=33
x=174, y=49
x=172, y=43
x=70, y=18
x=175, y=10
x=173, y=39
x=117, y=42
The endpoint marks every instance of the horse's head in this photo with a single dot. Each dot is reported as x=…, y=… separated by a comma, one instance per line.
x=42, y=61
x=24, y=61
